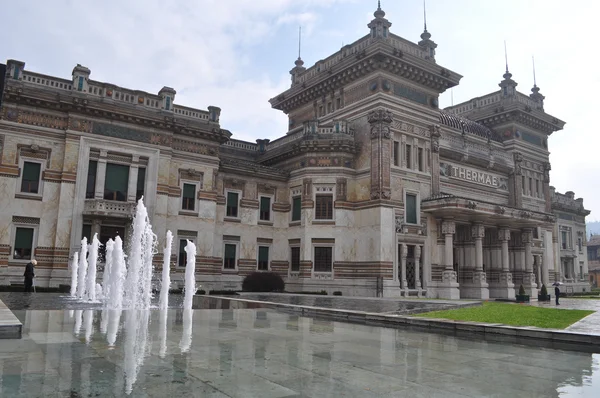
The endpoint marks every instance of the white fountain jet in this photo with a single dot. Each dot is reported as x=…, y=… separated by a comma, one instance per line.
x=117, y=276
x=138, y=285
x=83, y=266
x=108, y=262
x=190, y=275
x=74, y=269
x=163, y=303
x=91, y=273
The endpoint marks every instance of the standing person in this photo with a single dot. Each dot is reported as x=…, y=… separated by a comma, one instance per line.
x=557, y=293
x=29, y=274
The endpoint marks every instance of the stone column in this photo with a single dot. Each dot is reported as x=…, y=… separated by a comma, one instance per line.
x=435, y=158
x=96, y=225
x=515, y=182
x=528, y=277
x=449, y=287
x=380, y=121
x=417, y=270
x=133, y=176
x=504, y=288
x=538, y=261
x=100, y=176
x=478, y=288
x=403, y=255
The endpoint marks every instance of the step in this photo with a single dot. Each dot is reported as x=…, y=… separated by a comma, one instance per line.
x=10, y=326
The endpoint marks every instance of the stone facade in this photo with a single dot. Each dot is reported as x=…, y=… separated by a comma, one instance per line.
x=373, y=190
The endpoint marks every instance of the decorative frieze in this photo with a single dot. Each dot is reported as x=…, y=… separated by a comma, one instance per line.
x=25, y=220
x=380, y=121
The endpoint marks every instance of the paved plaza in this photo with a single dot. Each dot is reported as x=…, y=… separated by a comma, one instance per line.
x=590, y=324
x=260, y=353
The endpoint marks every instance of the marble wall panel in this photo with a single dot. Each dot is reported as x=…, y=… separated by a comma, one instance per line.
x=363, y=138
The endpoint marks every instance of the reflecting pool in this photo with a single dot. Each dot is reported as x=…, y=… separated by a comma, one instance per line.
x=260, y=353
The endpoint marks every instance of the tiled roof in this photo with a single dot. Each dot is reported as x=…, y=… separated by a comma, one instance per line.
x=472, y=127
x=594, y=240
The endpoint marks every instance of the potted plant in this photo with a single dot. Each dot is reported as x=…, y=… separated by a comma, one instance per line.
x=543, y=295
x=522, y=297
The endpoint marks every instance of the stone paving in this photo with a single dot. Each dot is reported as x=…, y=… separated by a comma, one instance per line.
x=590, y=324
x=364, y=304
x=259, y=353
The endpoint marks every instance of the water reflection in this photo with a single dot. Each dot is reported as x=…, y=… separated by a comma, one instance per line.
x=244, y=352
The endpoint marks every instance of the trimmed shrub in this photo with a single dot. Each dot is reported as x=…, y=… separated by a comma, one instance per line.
x=201, y=291
x=324, y=292
x=521, y=290
x=543, y=291
x=263, y=282
x=337, y=293
x=223, y=293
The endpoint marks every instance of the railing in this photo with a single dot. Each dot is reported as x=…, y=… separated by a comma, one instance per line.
x=190, y=112
x=47, y=81
x=248, y=146
x=100, y=207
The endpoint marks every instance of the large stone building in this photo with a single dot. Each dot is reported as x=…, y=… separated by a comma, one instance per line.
x=373, y=190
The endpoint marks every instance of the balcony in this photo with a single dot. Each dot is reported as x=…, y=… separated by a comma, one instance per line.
x=108, y=208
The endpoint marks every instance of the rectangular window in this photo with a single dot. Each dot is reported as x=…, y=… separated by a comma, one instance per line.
x=324, y=207
x=523, y=184
x=116, y=183
x=141, y=183
x=23, y=244
x=323, y=259
x=579, y=243
x=168, y=103
x=188, y=197
x=90, y=190
x=30, y=182
x=396, y=153
x=265, y=208
x=296, y=208
x=232, y=204
x=564, y=239
x=263, y=258
x=329, y=107
x=229, y=256
x=420, y=158
x=408, y=157
x=537, y=188
x=339, y=103
x=182, y=258
x=321, y=113
x=295, y=259
x=410, y=207
x=86, y=232
x=80, y=84
x=530, y=186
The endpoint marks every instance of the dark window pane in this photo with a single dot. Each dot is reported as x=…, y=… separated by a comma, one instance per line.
x=411, y=209
x=86, y=232
x=23, y=243
x=324, y=207
x=141, y=183
x=182, y=254
x=232, y=204
x=263, y=258
x=296, y=208
x=323, y=257
x=229, y=257
x=30, y=182
x=295, y=259
x=90, y=189
x=189, y=197
x=265, y=208
x=116, y=183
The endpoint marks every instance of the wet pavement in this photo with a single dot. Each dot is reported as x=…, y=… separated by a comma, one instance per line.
x=590, y=324
x=62, y=301
x=260, y=353
x=364, y=304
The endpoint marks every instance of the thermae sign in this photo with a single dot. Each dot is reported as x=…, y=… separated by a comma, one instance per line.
x=472, y=175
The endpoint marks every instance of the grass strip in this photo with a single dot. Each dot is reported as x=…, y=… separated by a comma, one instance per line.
x=513, y=314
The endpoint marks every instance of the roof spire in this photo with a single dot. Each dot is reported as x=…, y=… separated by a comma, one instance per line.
x=299, y=61
x=379, y=13
x=533, y=62
x=507, y=74
x=425, y=16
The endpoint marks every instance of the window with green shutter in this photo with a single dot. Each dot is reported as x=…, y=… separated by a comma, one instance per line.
x=189, y=197
x=116, y=182
x=410, y=207
x=86, y=232
x=30, y=182
x=265, y=208
x=141, y=183
x=323, y=259
x=324, y=207
x=296, y=208
x=23, y=244
x=182, y=258
x=232, y=204
x=90, y=190
x=229, y=256
x=263, y=258
x=295, y=259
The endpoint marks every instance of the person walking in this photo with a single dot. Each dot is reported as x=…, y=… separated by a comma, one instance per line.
x=557, y=293
x=29, y=275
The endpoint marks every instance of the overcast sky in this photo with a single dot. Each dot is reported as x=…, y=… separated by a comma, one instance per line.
x=236, y=54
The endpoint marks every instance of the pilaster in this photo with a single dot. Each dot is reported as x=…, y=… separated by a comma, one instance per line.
x=528, y=277
x=101, y=175
x=417, y=269
x=403, y=255
x=504, y=288
x=435, y=159
x=477, y=288
x=448, y=288
x=380, y=121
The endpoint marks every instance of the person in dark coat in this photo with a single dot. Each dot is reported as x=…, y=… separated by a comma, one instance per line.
x=29, y=275
x=557, y=293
